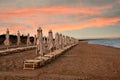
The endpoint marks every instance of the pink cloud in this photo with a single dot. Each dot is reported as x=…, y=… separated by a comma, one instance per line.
x=43, y=15
x=94, y=10
x=95, y=22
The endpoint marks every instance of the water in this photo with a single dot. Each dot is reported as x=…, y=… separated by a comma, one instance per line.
x=106, y=42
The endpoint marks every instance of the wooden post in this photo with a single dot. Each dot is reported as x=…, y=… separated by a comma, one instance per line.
x=18, y=39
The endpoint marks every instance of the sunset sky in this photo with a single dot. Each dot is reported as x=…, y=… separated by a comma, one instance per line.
x=77, y=18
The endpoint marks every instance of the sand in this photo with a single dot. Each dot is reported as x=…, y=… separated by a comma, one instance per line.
x=82, y=62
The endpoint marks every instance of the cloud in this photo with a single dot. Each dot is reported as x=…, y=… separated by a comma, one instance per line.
x=97, y=22
x=50, y=15
x=52, y=3
x=95, y=10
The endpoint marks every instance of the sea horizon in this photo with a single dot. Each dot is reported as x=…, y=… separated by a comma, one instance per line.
x=113, y=42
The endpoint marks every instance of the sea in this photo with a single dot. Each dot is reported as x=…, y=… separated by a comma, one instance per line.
x=106, y=42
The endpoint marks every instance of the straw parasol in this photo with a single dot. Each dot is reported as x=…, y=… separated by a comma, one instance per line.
x=40, y=45
x=7, y=40
x=18, y=39
x=57, y=40
x=60, y=41
x=50, y=41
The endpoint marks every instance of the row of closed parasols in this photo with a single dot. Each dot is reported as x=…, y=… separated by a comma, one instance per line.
x=56, y=47
x=43, y=44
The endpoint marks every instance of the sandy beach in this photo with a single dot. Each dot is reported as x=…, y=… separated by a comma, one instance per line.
x=82, y=62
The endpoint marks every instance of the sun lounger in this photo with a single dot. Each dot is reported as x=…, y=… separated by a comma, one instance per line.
x=42, y=60
x=32, y=64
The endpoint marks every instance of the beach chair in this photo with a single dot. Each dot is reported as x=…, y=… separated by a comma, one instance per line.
x=32, y=64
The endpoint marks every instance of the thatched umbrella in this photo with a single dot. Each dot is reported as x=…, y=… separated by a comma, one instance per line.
x=68, y=40
x=7, y=40
x=63, y=37
x=60, y=41
x=65, y=41
x=40, y=46
x=50, y=41
x=57, y=40
x=18, y=39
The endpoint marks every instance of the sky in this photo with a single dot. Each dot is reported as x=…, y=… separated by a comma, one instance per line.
x=77, y=18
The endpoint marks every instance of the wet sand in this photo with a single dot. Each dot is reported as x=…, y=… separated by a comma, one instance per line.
x=82, y=62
